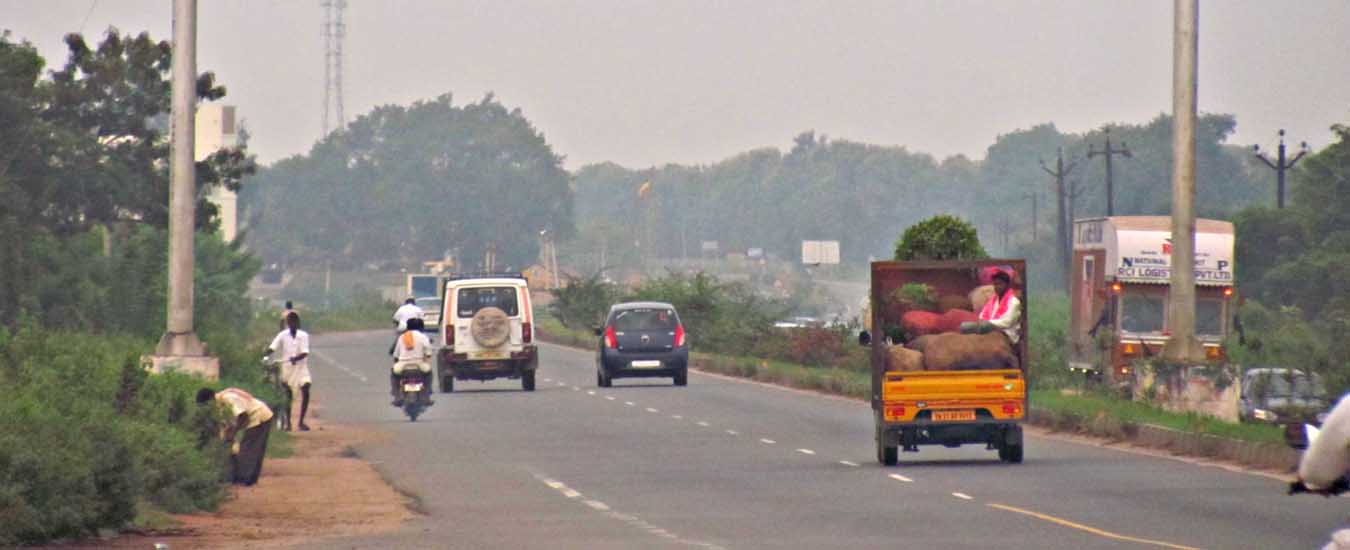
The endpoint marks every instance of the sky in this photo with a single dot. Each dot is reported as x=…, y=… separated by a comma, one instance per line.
x=646, y=83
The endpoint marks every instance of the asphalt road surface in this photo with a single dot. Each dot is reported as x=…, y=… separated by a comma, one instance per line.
x=731, y=464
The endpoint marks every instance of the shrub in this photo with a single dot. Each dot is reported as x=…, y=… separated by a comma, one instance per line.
x=941, y=237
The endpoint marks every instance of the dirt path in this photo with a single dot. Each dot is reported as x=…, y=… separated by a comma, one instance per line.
x=322, y=491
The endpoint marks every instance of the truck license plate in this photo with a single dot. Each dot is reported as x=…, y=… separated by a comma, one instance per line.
x=953, y=416
x=646, y=364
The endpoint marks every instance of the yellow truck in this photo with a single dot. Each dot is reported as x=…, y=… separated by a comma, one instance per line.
x=948, y=407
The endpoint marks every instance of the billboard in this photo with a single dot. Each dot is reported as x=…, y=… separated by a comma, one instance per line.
x=820, y=252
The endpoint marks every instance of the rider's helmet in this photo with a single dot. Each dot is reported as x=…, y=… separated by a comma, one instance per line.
x=416, y=324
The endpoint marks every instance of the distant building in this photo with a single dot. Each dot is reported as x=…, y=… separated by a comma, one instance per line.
x=216, y=130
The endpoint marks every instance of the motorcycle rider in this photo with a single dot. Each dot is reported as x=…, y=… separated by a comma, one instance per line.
x=408, y=310
x=1326, y=463
x=412, y=350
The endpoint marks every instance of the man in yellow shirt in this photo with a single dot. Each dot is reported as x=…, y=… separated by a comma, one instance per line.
x=249, y=415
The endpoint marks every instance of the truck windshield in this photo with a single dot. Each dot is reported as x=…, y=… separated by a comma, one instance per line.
x=424, y=286
x=1209, y=317
x=1141, y=313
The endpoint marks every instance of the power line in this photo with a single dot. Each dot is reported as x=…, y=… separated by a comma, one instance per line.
x=1280, y=165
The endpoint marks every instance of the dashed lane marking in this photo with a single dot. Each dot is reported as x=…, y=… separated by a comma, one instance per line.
x=340, y=366
x=767, y=441
x=733, y=432
x=609, y=397
x=598, y=505
x=806, y=451
x=590, y=392
x=963, y=496
x=629, y=403
x=849, y=464
x=899, y=477
x=704, y=424
x=651, y=410
x=632, y=520
x=677, y=417
x=1093, y=530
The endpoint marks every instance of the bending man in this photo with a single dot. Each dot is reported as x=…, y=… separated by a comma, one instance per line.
x=249, y=415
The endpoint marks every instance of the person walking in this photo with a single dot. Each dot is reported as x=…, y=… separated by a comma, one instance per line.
x=249, y=415
x=293, y=344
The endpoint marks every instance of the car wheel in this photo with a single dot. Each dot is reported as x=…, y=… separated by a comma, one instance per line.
x=603, y=380
x=527, y=380
x=682, y=378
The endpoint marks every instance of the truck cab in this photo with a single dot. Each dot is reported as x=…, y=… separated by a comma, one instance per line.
x=1120, y=279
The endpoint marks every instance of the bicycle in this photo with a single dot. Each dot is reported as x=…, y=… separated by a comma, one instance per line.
x=272, y=370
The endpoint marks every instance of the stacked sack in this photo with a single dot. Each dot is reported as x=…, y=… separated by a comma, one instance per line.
x=936, y=343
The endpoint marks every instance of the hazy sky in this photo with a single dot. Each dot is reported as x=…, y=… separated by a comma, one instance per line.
x=643, y=83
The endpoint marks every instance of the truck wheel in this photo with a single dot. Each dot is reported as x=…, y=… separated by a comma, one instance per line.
x=1011, y=449
x=887, y=456
x=527, y=380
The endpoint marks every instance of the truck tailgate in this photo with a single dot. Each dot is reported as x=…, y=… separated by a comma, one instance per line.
x=975, y=395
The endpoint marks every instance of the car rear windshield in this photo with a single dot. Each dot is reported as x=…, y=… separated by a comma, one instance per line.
x=644, y=319
x=470, y=300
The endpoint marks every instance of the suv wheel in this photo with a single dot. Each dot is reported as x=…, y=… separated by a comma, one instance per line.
x=527, y=380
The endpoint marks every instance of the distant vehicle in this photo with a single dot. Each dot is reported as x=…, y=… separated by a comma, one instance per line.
x=642, y=340
x=431, y=313
x=487, y=331
x=1120, y=277
x=425, y=285
x=798, y=322
x=1281, y=395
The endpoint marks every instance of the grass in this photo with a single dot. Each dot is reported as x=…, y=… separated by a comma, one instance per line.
x=280, y=444
x=1088, y=407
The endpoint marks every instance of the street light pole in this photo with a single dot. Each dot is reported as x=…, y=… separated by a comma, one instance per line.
x=1182, y=346
x=179, y=348
x=1280, y=165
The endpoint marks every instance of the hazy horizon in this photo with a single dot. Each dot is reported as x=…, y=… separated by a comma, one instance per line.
x=647, y=83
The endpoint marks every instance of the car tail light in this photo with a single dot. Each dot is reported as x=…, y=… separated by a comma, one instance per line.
x=449, y=338
x=525, y=333
x=679, y=336
x=611, y=340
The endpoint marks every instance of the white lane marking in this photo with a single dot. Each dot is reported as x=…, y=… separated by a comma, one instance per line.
x=590, y=392
x=609, y=397
x=704, y=424
x=677, y=417
x=849, y=464
x=963, y=496
x=733, y=432
x=548, y=379
x=630, y=519
x=806, y=451
x=574, y=388
x=899, y=477
x=340, y=366
x=651, y=410
x=767, y=441
x=562, y=384
x=629, y=403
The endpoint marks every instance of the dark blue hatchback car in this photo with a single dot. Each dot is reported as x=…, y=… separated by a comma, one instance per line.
x=642, y=340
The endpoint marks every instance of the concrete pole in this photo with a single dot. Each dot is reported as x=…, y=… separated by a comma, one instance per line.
x=1182, y=345
x=179, y=338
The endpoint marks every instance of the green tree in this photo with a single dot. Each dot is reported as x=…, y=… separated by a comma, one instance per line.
x=940, y=238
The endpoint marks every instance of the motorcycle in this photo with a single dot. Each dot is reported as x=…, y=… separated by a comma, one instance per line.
x=411, y=384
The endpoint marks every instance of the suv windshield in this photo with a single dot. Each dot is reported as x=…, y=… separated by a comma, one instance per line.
x=644, y=319
x=470, y=300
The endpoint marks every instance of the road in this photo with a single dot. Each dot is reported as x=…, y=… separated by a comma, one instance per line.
x=732, y=464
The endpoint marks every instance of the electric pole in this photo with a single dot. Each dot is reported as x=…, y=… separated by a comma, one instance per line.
x=1064, y=215
x=1280, y=165
x=179, y=348
x=1182, y=347
x=1107, y=151
x=1035, y=214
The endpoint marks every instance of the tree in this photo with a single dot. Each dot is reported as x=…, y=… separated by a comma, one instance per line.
x=940, y=238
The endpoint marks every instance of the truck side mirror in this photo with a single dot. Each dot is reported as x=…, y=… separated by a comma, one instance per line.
x=864, y=338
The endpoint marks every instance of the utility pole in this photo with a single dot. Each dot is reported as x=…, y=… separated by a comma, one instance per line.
x=1107, y=151
x=1064, y=215
x=1034, y=197
x=1182, y=347
x=1280, y=165
x=179, y=348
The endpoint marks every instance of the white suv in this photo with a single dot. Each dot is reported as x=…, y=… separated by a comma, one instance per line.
x=487, y=330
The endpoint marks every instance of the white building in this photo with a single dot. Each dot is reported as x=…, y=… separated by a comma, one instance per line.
x=216, y=130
